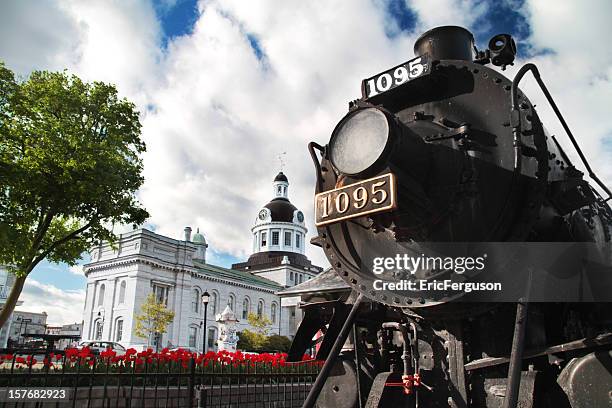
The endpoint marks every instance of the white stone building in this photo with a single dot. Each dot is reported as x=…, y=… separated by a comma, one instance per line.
x=119, y=279
x=26, y=323
x=6, y=283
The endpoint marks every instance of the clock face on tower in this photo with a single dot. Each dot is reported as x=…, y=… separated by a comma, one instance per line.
x=300, y=216
x=263, y=214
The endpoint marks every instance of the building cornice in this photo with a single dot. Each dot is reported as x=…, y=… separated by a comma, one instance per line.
x=134, y=259
x=147, y=260
x=233, y=282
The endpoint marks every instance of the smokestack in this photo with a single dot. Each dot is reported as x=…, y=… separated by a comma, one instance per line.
x=446, y=43
x=188, y=234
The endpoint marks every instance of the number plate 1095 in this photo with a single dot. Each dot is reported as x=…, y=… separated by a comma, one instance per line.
x=394, y=77
x=370, y=196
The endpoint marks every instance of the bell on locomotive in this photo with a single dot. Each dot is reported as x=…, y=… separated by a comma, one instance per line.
x=440, y=172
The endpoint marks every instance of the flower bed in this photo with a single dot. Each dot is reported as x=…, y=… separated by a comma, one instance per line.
x=174, y=366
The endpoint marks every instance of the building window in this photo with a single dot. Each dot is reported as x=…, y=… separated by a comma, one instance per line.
x=98, y=330
x=212, y=338
x=245, y=308
x=275, y=237
x=193, y=336
x=264, y=239
x=119, y=330
x=279, y=190
x=122, y=292
x=291, y=277
x=161, y=294
x=231, y=302
x=260, y=308
x=298, y=242
x=213, y=303
x=101, y=295
x=301, y=278
x=288, y=238
x=273, y=312
x=195, y=301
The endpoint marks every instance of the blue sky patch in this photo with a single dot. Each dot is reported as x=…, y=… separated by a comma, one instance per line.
x=177, y=19
x=59, y=275
x=256, y=46
x=403, y=19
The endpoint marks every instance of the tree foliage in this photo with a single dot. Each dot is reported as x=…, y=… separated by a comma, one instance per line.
x=255, y=340
x=69, y=169
x=154, y=317
x=278, y=343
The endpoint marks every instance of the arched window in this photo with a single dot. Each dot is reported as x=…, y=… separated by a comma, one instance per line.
x=212, y=339
x=273, y=312
x=98, y=329
x=245, y=308
x=101, y=295
x=231, y=301
x=214, y=302
x=287, y=238
x=260, y=308
x=122, y=292
x=195, y=301
x=118, y=329
x=193, y=336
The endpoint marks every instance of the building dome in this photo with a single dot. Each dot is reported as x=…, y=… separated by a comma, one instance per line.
x=281, y=177
x=279, y=226
x=281, y=210
x=198, y=238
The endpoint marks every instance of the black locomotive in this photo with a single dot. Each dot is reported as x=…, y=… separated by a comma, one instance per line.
x=444, y=149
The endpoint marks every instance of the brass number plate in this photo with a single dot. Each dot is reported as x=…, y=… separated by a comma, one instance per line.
x=370, y=196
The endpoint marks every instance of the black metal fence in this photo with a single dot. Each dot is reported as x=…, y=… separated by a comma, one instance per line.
x=144, y=379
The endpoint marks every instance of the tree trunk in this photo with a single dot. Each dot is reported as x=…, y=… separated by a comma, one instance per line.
x=11, y=300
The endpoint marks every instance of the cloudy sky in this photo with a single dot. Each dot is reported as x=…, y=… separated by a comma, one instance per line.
x=223, y=87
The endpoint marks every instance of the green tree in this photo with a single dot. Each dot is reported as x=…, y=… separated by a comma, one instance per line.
x=254, y=340
x=277, y=342
x=69, y=169
x=153, y=319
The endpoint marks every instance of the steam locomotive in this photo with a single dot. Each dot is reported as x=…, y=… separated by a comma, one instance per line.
x=444, y=149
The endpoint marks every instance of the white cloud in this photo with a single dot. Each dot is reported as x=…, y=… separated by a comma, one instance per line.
x=116, y=42
x=26, y=44
x=76, y=269
x=62, y=306
x=218, y=116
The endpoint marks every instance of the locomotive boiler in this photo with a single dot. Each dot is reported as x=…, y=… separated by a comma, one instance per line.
x=439, y=177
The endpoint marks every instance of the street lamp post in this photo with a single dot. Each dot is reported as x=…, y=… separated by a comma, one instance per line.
x=205, y=299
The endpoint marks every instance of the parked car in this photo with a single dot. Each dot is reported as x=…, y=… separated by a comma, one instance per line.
x=99, y=346
x=189, y=349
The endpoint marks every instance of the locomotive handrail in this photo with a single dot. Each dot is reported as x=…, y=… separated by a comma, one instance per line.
x=517, y=117
x=315, y=160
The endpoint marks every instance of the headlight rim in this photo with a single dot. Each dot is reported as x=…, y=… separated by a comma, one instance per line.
x=380, y=163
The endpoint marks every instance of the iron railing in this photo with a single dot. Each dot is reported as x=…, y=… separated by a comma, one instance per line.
x=146, y=379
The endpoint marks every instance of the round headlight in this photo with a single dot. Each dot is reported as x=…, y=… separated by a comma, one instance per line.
x=359, y=140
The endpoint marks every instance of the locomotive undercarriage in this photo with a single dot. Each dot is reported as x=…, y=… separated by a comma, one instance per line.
x=406, y=359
